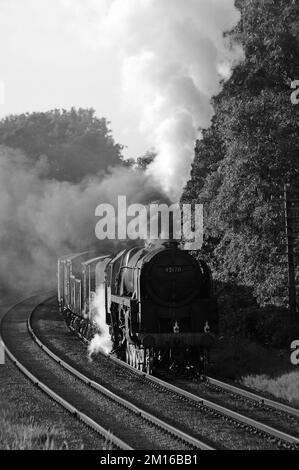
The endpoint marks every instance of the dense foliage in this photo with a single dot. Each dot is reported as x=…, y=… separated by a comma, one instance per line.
x=76, y=143
x=248, y=154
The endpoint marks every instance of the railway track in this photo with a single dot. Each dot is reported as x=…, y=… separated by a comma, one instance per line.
x=87, y=400
x=238, y=425
x=17, y=316
x=257, y=400
x=282, y=439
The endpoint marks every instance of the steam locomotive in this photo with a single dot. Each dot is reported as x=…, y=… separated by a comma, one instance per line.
x=158, y=304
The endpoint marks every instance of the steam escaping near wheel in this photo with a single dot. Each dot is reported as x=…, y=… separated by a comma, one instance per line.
x=101, y=342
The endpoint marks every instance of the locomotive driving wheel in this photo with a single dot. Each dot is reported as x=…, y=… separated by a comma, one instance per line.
x=139, y=358
x=134, y=356
x=140, y=362
x=131, y=355
x=128, y=354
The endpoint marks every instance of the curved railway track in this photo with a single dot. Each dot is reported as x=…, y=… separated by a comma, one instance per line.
x=97, y=406
x=258, y=400
x=236, y=423
x=281, y=438
x=14, y=353
x=76, y=387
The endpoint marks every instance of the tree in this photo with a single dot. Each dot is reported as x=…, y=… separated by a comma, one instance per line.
x=76, y=142
x=249, y=152
x=144, y=161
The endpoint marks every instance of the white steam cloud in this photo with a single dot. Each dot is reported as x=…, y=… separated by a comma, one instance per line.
x=101, y=342
x=42, y=219
x=173, y=57
x=168, y=58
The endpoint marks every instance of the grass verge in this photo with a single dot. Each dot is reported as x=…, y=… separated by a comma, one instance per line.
x=285, y=386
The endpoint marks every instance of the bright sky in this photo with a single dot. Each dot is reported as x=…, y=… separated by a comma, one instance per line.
x=51, y=58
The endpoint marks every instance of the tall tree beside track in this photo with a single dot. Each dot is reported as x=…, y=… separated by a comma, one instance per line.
x=76, y=143
x=251, y=149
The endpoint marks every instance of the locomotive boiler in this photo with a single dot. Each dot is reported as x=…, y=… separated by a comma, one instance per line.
x=158, y=303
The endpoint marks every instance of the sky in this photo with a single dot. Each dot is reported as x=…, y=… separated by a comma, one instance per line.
x=150, y=67
x=52, y=57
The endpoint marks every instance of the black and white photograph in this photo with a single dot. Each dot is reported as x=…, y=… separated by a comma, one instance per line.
x=149, y=229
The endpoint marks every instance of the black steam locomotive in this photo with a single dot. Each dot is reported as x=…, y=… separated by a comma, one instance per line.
x=158, y=304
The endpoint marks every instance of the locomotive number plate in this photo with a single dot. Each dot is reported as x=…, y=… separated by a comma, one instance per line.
x=173, y=269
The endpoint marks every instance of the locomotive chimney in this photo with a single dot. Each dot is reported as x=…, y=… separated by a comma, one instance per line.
x=171, y=234
x=171, y=242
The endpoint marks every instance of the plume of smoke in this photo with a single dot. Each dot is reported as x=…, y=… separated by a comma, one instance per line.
x=174, y=56
x=101, y=342
x=41, y=219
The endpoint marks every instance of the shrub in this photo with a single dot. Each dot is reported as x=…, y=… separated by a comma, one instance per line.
x=285, y=387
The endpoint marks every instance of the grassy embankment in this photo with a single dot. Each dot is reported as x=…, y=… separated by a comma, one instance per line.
x=256, y=367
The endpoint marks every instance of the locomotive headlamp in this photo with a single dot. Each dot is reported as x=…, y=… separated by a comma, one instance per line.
x=176, y=328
